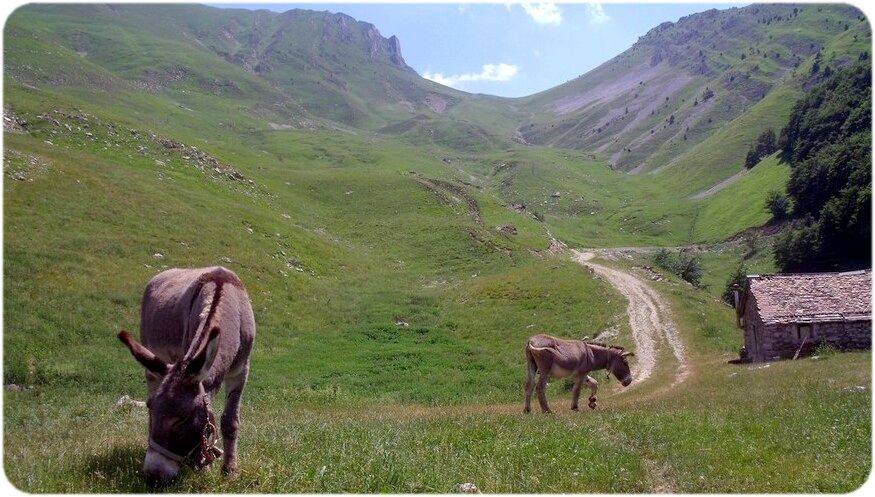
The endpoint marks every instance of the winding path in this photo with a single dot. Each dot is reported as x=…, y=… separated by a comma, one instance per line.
x=649, y=317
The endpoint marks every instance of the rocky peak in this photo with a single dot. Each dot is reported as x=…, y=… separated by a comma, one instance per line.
x=381, y=47
x=375, y=41
x=395, y=52
x=344, y=25
x=347, y=30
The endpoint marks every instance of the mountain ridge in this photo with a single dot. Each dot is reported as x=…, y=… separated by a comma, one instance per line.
x=681, y=80
x=683, y=103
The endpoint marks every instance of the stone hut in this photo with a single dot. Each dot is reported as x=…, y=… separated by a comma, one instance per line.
x=786, y=314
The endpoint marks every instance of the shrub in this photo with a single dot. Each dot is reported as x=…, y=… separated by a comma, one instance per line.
x=766, y=144
x=687, y=266
x=690, y=269
x=824, y=349
x=665, y=260
x=799, y=249
x=752, y=242
x=778, y=204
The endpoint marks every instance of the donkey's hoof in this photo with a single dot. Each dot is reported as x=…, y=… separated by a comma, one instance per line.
x=592, y=404
x=575, y=408
x=230, y=470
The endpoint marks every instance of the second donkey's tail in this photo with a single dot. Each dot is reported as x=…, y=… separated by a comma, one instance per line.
x=533, y=366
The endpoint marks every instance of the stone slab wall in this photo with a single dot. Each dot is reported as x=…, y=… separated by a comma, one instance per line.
x=753, y=329
x=781, y=341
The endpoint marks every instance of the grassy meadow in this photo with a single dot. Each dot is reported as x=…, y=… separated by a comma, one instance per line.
x=631, y=443
x=698, y=437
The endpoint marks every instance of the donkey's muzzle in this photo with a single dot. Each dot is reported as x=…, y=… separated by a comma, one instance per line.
x=626, y=381
x=158, y=469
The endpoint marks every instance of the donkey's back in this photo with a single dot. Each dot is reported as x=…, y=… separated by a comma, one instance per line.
x=178, y=303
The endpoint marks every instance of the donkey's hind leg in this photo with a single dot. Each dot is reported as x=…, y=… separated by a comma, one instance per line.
x=530, y=386
x=231, y=419
x=530, y=381
x=542, y=395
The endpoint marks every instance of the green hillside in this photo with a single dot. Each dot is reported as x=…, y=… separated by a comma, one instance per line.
x=688, y=97
x=298, y=69
x=400, y=241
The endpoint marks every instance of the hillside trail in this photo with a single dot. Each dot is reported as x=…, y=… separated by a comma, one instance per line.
x=649, y=318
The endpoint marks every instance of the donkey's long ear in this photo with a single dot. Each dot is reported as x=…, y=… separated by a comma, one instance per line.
x=200, y=360
x=628, y=354
x=143, y=355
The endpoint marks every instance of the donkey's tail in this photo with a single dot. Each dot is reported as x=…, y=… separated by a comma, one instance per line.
x=529, y=348
x=530, y=360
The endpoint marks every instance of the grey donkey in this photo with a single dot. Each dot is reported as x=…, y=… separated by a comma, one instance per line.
x=558, y=358
x=197, y=329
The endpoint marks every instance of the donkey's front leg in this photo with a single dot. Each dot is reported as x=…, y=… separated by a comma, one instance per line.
x=231, y=420
x=575, y=392
x=593, y=388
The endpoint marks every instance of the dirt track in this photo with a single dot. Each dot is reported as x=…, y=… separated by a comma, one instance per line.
x=649, y=318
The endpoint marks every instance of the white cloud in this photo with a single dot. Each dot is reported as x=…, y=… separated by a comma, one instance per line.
x=543, y=13
x=490, y=72
x=596, y=13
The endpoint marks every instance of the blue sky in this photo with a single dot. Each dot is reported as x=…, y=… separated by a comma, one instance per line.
x=510, y=50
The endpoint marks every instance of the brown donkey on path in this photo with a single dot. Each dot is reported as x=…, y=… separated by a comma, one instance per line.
x=197, y=329
x=558, y=358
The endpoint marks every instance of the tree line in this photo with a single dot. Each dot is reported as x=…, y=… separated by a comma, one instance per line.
x=828, y=145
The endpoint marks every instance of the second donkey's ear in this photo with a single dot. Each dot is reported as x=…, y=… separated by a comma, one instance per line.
x=628, y=354
x=143, y=355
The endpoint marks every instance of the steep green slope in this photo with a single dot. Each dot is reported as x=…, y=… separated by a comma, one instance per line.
x=742, y=204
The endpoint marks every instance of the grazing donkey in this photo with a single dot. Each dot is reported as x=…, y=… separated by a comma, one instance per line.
x=197, y=330
x=558, y=358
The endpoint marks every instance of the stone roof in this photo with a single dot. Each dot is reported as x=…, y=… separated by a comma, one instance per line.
x=812, y=297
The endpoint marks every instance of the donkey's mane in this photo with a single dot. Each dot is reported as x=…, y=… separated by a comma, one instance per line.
x=604, y=345
x=219, y=278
